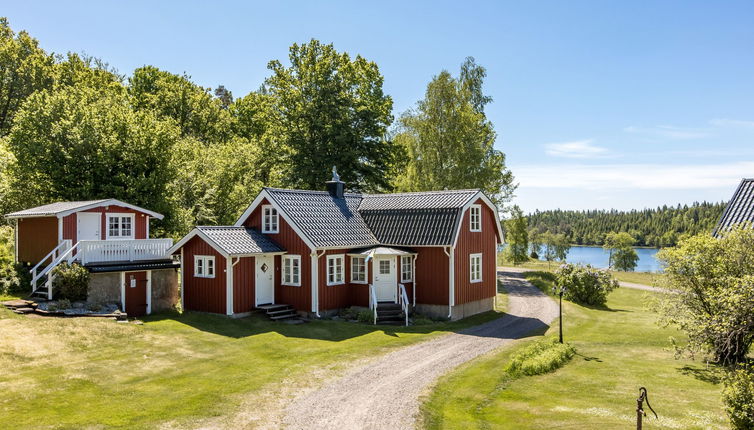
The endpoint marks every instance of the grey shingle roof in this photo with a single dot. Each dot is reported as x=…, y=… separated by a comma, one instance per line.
x=740, y=208
x=326, y=221
x=450, y=199
x=54, y=208
x=239, y=240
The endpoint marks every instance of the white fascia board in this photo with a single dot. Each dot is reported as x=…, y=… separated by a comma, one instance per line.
x=258, y=200
x=490, y=204
x=196, y=232
x=110, y=202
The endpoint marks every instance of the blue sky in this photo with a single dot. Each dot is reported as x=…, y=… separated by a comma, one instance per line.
x=597, y=104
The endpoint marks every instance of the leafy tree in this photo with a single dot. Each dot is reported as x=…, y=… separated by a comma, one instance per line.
x=83, y=71
x=535, y=242
x=585, y=284
x=713, y=301
x=561, y=245
x=224, y=95
x=327, y=109
x=24, y=69
x=622, y=254
x=79, y=143
x=517, y=236
x=448, y=140
x=195, y=110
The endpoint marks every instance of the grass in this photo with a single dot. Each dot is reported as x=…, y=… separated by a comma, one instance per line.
x=174, y=370
x=619, y=348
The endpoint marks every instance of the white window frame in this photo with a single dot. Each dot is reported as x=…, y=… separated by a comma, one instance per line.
x=120, y=225
x=407, y=260
x=204, y=272
x=334, y=275
x=288, y=272
x=353, y=272
x=270, y=219
x=475, y=277
x=475, y=218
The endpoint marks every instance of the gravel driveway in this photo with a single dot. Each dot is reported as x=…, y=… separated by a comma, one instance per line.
x=384, y=393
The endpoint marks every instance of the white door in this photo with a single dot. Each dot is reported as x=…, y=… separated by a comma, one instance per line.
x=265, y=286
x=385, y=279
x=89, y=225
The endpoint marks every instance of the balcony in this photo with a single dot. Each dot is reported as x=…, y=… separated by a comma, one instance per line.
x=108, y=251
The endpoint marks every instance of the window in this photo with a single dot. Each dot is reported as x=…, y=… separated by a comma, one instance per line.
x=269, y=219
x=384, y=267
x=204, y=266
x=334, y=269
x=407, y=269
x=292, y=270
x=475, y=218
x=120, y=226
x=358, y=270
x=475, y=268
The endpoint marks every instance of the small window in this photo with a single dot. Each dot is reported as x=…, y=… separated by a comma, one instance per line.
x=475, y=218
x=120, y=226
x=384, y=267
x=335, y=269
x=269, y=219
x=204, y=266
x=407, y=269
x=475, y=267
x=358, y=270
x=292, y=270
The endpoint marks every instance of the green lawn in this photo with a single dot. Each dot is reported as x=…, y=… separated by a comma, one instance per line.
x=175, y=369
x=619, y=349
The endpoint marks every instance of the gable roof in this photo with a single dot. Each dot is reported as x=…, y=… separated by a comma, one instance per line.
x=429, y=218
x=740, y=208
x=231, y=241
x=61, y=209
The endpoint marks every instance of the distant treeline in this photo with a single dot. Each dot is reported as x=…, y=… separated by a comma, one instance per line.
x=659, y=227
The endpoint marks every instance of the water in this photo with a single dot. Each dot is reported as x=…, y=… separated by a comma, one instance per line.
x=598, y=257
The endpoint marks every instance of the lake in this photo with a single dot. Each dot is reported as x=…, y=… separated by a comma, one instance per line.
x=598, y=257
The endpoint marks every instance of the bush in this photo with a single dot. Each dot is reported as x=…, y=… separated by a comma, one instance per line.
x=14, y=277
x=63, y=304
x=738, y=396
x=366, y=316
x=585, y=284
x=349, y=313
x=540, y=357
x=71, y=281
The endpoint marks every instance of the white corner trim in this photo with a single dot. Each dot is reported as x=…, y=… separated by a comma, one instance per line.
x=228, y=286
x=183, y=276
x=147, y=221
x=149, y=292
x=15, y=244
x=60, y=230
x=123, y=291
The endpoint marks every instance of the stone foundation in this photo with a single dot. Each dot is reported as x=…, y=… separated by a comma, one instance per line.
x=104, y=288
x=165, y=294
x=459, y=311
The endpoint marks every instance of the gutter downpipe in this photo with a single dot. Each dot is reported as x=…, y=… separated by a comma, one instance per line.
x=413, y=270
x=315, y=255
x=450, y=252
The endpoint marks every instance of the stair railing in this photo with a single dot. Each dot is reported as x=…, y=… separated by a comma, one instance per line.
x=67, y=256
x=52, y=256
x=373, y=301
x=403, y=300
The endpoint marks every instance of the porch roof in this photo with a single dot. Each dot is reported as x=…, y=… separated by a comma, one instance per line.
x=381, y=250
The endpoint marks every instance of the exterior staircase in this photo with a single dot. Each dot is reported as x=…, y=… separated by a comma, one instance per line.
x=278, y=312
x=390, y=314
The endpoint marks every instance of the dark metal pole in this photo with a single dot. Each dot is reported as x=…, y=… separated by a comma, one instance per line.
x=561, y=315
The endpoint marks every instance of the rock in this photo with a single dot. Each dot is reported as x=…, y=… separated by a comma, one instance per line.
x=78, y=305
x=16, y=303
x=25, y=310
x=293, y=321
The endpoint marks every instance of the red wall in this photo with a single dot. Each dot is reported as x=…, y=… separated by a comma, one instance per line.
x=468, y=243
x=432, y=274
x=203, y=294
x=334, y=296
x=36, y=238
x=244, y=279
x=298, y=297
x=141, y=220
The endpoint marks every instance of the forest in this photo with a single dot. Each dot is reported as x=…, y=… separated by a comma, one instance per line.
x=658, y=227
x=74, y=128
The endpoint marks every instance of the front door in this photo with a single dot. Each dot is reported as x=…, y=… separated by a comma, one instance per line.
x=136, y=293
x=385, y=279
x=265, y=287
x=88, y=226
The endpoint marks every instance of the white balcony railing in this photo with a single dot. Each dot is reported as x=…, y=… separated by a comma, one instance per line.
x=103, y=251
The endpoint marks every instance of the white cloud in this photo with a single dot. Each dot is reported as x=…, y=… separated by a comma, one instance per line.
x=576, y=149
x=633, y=176
x=669, y=132
x=727, y=122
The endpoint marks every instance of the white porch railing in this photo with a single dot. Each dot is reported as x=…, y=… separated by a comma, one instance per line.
x=65, y=256
x=373, y=301
x=63, y=246
x=403, y=300
x=104, y=251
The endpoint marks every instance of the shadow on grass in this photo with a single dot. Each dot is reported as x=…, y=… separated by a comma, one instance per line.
x=587, y=358
x=711, y=374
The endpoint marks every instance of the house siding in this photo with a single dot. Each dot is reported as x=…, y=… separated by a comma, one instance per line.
x=244, y=281
x=70, y=227
x=432, y=274
x=140, y=220
x=334, y=296
x=287, y=239
x=203, y=294
x=484, y=242
x=36, y=238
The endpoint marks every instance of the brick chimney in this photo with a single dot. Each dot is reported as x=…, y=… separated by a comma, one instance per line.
x=335, y=186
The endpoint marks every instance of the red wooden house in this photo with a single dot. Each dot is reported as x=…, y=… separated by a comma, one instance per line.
x=108, y=237
x=321, y=251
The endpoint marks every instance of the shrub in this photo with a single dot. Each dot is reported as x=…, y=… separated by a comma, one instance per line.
x=63, y=304
x=366, y=316
x=71, y=281
x=349, y=313
x=738, y=396
x=13, y=277
x=540, y=357
x=585, y=284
